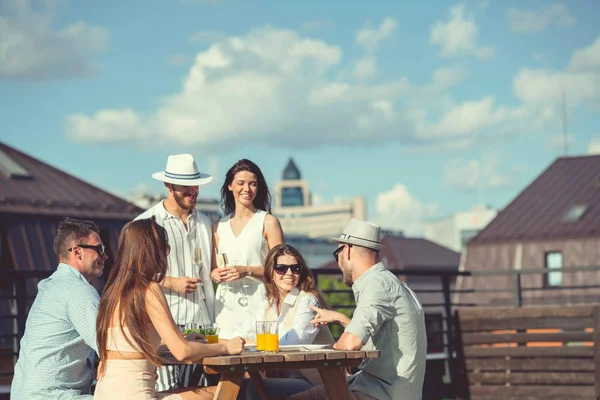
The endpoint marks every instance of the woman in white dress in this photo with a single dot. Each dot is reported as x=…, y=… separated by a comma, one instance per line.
x=245, y=235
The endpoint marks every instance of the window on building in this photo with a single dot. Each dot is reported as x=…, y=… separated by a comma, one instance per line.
x=554, y=259
x=575, y=213
x=292, y=196
x=466, y=235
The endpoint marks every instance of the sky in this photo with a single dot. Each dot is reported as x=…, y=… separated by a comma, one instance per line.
x=424, y=108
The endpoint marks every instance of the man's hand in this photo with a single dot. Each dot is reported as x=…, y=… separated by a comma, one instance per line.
x=325, y=317
x=184, y=284
x=235, y=345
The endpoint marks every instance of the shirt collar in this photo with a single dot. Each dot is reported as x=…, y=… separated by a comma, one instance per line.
x=291, y=297
x=168, y=215
x=360, y=282
x=68, y=269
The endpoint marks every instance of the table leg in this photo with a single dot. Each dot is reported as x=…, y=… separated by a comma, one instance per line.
x=335, y=383
x=229, y=386
x=260, y=385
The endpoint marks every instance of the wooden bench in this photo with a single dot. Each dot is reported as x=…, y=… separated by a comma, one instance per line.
x=537, y=352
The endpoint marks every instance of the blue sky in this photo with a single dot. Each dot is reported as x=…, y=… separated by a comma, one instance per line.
x=424, y=109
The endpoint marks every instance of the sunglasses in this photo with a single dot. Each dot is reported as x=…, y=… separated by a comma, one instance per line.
x=282, y=269
x=100, y=248
x=337, y=251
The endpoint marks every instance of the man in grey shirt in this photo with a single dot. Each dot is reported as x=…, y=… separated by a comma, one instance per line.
x=388, y=317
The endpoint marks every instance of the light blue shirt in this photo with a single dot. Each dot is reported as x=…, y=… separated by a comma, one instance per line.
x=388, y=317
x=57, y=349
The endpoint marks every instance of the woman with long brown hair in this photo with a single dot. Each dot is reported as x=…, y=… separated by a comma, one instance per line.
x=290, y=288
x=133, y=316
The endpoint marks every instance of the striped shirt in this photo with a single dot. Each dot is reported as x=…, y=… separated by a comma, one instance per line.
x=196, y=307
x=57, y=349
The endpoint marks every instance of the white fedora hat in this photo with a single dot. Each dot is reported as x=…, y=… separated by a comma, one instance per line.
x=361, y=233
x=182, y=170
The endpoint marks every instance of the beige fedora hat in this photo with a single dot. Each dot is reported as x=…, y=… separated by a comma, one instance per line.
x=182, y=170
x=361, y=233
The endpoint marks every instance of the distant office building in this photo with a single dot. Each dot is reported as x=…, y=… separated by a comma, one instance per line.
x=456, y=230
x=209, y=207
x=299, y=217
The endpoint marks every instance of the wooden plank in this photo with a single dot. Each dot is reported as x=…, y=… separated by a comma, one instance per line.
x=597, y=351
x=372, y=353
x=514, y=323
x=533, y=312
x=532, y=392
x=543, y=352
x=273, y=358
x=221, y=369
x=532, y=378
x=335, y=355
x=313, y=356
x=335, y=383
x=260, y=385
x=492, y=338
x=251, y=358
x=294, y=356
x=530, y=364
x=222, y=360
x=229, y=386
x=355, y=354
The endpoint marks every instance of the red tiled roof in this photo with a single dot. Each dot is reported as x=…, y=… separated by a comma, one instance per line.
x=50, y=191
x=415, y=254
x=538, y=211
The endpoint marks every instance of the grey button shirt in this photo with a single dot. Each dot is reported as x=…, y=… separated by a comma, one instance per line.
x=389, y=318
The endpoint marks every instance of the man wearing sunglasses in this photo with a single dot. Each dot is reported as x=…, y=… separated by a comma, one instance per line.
x=388, y=317
x=57, y=351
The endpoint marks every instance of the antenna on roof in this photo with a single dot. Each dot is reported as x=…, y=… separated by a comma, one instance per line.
x=564, y=122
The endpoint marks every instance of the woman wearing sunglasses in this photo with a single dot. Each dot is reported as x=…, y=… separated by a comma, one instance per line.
x=290, y=288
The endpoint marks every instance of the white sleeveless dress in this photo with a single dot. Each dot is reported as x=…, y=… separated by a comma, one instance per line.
x=236, y=302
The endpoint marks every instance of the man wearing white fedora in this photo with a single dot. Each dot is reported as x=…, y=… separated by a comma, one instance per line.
x=388, y=317
x=187, y=286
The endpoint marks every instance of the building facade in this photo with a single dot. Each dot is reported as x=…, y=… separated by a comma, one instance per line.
x=456, y=230
x=299, y=217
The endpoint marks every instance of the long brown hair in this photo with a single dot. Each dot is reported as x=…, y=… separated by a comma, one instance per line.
x=141, y=259
x=306, y=281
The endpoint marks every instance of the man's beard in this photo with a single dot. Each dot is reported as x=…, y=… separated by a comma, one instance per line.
x=182, y=201
x=347, y=274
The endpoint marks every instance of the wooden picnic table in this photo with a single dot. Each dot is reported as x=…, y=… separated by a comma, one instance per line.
x=329, y=363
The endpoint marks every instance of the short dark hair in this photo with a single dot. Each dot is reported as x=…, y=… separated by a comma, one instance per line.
x=70, y=232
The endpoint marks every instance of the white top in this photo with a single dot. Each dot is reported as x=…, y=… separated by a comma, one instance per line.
x=294, y=318
x=196, y=307
x=237, y=302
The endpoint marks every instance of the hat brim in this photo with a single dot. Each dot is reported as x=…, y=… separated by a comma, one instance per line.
x=202, y=180
x=360, y=242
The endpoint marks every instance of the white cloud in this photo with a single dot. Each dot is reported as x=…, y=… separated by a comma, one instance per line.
x=398, y=209
x=274, y=86
x=365, y=68
x=178, y=60
x=541, y=89
x=527, y=21
x=369, y=38
x=473, y=174
x=32, y=48
x=318, y=24
x=594, y=145
x=458, y=36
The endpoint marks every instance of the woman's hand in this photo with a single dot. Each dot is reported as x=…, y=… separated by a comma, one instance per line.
x=235, y=345
x=234, y=273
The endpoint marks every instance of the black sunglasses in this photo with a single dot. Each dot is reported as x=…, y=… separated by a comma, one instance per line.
x=337, y=251
x=99, y=248
x=282, y=269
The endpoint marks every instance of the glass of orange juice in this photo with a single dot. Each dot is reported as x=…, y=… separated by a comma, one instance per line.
x=271, y=340
x=260, y=335
x=211, y=333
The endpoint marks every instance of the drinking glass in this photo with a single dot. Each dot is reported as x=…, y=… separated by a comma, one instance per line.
x=197, y=260
x=271, y=340
x=211, y=333
x=260, y=335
